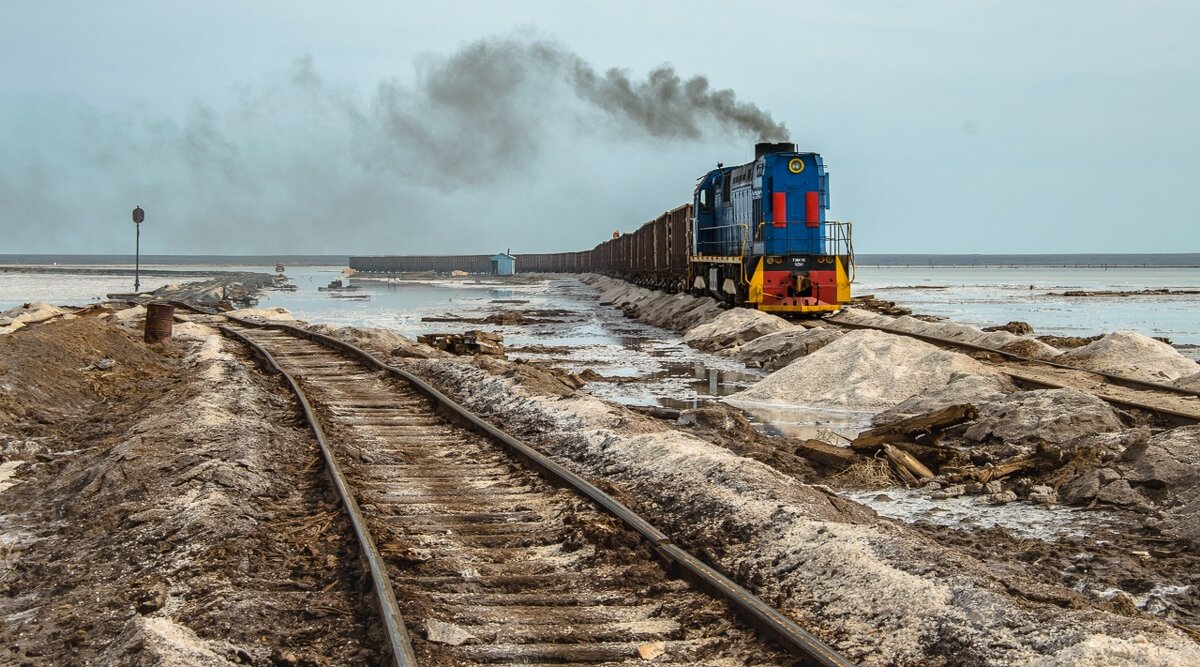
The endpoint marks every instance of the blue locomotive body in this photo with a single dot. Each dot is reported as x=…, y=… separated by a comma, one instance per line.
x=760, y=237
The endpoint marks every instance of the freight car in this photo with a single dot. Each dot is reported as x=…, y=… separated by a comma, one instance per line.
x=754, y=235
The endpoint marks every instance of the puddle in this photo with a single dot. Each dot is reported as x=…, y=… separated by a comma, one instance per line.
x=1043, y=522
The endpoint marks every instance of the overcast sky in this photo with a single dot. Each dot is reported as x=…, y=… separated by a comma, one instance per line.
x=379, y=128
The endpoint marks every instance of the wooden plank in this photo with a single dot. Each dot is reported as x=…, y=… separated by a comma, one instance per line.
x=923, y=429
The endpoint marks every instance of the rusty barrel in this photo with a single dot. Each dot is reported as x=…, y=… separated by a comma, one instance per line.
x=159, y=319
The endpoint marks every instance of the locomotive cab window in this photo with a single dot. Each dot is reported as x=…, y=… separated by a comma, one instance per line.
x=706, y=200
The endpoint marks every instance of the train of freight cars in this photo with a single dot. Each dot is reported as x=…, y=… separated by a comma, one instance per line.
x=754, y=235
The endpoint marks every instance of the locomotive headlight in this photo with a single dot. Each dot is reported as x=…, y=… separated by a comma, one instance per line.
x=796, y=165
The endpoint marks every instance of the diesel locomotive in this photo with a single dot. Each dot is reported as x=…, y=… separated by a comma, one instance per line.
x=754, y=235
x=760, y=237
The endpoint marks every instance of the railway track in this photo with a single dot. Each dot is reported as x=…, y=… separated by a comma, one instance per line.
x=1174, y=405
x=483, y=551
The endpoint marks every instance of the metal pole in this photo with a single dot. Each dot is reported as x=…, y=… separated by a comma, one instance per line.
x=137, y=259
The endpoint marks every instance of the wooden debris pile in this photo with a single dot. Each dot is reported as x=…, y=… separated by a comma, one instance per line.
x=470, y=342
x=913, y=449
x=870, y=302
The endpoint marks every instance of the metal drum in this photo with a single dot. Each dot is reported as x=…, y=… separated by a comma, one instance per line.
x=160, y=317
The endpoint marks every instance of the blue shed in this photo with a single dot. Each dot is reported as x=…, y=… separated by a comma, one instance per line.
x=504, y=264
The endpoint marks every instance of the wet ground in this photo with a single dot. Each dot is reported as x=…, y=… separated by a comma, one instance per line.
x=566, y=327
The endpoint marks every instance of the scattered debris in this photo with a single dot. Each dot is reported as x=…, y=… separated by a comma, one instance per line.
x=1144, y=292
x=869, y=302
x=441, y=632
x=507, y=317
x=470, y=342
x=1015, y=327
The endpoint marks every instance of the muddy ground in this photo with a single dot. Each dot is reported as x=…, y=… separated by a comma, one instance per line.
x=169, y=509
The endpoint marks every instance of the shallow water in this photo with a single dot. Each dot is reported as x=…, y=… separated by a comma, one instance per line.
x=996, y=295
x=601, y=339
x=585, y=336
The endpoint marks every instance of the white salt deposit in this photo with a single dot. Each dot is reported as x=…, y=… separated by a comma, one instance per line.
x=776, y=350
x=734, y=327
x=1043, y=416
x=888, y=597
x=1189, y=382
x=963, y=388
x=7, y=470
x=997, y=340
x=29, y=313
x=276, y=314
x=1043, y=522
x=129, y=316
x=862, y=370
x=162, y=641
x=1133, y=355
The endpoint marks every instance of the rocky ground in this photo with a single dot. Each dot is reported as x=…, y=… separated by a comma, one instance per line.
x=174, y=435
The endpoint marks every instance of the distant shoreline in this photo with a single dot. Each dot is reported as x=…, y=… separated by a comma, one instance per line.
x=878, y=260
x=114, y=271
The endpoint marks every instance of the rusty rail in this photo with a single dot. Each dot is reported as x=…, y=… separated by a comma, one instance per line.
x=399, y=643
x=767, y=620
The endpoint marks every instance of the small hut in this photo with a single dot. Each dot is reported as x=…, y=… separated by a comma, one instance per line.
x=504, y=264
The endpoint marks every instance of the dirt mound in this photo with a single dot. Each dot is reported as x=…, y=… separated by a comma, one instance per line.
x=1053, y=416
x=1133, y=355
x=61, y=365
x=1031, y=348
x=862, y=370
x=190, y=524
x=776, y=350
x=734, y=327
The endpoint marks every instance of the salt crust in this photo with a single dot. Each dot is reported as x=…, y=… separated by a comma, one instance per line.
x=776, y=350
x=273, y=314
x=171, y=645
x=677, y=312
x=962, y=333
x=1133, y=355
x=962, y=388
x=875, y=590
x=1189, y=382
x=734, y=327
x=1054, y=416
x=30, y=313
x=865, y=369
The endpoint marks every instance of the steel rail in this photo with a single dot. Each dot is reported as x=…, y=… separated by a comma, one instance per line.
x=769, y=621
x=399, y=643
x=1118, y=380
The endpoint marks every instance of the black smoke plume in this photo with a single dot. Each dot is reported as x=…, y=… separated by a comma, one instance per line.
x=493, y=99
x=297, y=160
